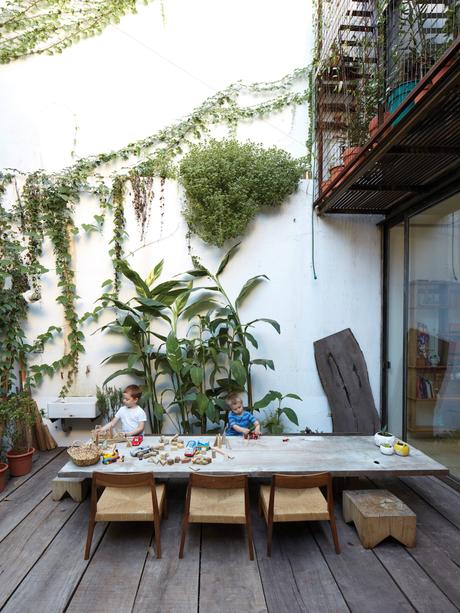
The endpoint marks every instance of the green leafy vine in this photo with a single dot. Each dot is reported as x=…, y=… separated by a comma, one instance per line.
x=31, y=27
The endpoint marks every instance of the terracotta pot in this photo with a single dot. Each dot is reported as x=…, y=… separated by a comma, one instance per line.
x=3, y=469
x=20, y=463
x=325, y=186
x=334, y=171
x=374, y=123
x=350, y=154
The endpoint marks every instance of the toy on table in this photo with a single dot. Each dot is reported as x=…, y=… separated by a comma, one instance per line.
x=110, y=457
x=107, y=437
x=137, y=440
x=140, y=451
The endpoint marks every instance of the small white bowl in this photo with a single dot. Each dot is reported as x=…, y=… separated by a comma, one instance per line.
x=387, y=450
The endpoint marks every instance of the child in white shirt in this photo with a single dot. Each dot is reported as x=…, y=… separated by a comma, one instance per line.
x=131, y=416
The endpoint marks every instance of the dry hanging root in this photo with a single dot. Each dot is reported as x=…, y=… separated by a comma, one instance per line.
x=142, y=198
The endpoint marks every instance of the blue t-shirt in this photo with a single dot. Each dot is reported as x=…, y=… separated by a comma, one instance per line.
x=244, y=420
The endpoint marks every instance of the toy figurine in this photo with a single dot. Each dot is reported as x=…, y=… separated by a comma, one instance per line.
x=137, y=440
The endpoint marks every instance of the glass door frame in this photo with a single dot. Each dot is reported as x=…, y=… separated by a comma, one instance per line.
x=391, y=221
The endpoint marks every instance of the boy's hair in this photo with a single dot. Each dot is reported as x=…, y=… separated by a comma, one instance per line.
x=232, y=396
x=134, y=391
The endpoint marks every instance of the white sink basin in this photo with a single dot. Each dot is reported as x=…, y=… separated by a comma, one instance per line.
x=73, y=407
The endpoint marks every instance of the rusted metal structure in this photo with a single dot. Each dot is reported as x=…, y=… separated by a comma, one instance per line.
x=387, y=102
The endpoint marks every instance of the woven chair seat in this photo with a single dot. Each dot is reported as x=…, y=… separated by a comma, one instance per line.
x=128, y=504
x=219, y=506
x=295, y=504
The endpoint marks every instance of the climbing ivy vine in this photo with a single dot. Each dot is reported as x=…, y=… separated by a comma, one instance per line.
x=45, y=201
x=31, y=27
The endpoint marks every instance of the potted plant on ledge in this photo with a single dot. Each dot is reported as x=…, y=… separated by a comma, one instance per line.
x=19, y=422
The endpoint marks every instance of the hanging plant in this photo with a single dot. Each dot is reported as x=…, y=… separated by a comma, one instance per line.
x=143, y=196
x=226, y=183
x=30, y=27
x=119, y=222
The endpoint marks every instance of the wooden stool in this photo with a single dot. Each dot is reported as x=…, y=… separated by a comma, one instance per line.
x=77, y=488
x=378, y=514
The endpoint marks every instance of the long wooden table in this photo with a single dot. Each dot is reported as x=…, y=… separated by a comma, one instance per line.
x=343, y=456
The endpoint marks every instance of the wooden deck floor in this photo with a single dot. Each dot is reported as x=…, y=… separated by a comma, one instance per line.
x=42, y=568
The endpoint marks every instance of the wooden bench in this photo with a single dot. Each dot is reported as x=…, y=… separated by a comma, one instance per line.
x=378, y=514
x=76, y=487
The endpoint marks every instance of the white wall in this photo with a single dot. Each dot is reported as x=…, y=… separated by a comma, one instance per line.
x=141, y=75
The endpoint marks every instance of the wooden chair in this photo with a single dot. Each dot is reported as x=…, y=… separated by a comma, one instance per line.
x=127, y=497
x=297, y=498
x=217, y=500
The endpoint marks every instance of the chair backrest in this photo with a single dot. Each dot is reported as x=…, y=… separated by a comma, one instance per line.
x=123, y=480
x=302, y=482
x=225, y=482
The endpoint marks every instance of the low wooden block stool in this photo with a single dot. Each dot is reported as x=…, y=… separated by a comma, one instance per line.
x=378, y=514
x=76, y=487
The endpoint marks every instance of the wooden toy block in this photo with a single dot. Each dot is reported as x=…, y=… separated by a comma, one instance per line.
x=378, y=514
x=76, y=487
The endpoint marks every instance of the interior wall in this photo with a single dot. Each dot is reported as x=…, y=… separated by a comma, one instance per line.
x=140, y=76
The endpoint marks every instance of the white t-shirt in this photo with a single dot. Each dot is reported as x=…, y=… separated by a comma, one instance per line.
x=130, y=418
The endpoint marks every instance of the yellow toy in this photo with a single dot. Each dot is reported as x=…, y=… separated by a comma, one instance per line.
x=110, y=457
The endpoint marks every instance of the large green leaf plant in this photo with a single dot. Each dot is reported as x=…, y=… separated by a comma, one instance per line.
x=186, y=376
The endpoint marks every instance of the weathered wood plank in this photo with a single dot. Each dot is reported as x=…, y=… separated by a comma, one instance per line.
x=297, y=554
x=43, y=459
x=229, y=580
x=414, y=582
x=438, y=542
x=345, y=380
x=360, y=576
x=111, y=580
x=170, y=585
x=53, y=579
x=25, y=544
x=15, y=507
x=342, y=456
x=443, y=498
x=282, y=594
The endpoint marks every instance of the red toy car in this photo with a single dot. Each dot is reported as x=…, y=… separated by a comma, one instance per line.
x=137, y=440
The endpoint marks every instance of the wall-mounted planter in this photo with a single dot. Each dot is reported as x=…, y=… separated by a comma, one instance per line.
x=20, y=463
x=73, y=407
x=3, y=469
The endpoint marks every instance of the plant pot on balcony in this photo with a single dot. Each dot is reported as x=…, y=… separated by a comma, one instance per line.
x=396, y=97
x=374, y=124
x=334, y=171
x=325, y=186
x=350, y=154
x=3, y=469
x=20, y=463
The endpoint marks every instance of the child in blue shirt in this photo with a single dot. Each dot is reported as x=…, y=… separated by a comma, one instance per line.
x=239, y=421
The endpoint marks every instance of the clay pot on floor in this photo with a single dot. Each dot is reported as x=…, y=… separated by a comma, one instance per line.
x=3, y=469
x=20, y=463
x=350, y=154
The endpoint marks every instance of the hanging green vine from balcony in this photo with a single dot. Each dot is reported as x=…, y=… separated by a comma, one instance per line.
x=32, y=27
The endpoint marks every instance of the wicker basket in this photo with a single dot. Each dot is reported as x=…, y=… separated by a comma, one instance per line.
x=84, y=454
